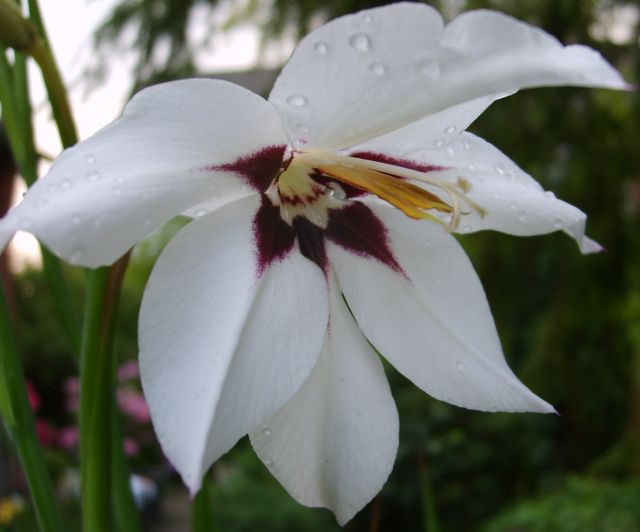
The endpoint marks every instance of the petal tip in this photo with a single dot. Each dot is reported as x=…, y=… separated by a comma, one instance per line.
x=588, y=246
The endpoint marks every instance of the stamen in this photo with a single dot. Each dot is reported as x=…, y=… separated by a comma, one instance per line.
x=381, y=179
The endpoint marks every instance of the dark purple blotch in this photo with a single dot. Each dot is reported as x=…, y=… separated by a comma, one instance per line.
x=258, y=169
x=358, y=230
x=396, y=161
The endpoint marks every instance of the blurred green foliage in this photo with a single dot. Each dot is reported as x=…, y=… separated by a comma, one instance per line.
x=570, y=324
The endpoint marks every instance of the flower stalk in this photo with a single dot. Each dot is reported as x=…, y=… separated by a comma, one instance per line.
x=18, y=418
x=96, y=394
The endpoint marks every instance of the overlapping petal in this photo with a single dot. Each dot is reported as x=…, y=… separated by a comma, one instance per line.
x=433, y=322
x=334, y=443
x=157, y=160
x=359, y=77
x=221, y=347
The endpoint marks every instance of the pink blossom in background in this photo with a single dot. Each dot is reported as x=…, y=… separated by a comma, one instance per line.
x=128, y=370
x=133, y=404
x=47, y=433
x=34, y=398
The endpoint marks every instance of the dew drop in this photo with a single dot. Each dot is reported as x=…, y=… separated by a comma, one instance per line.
x=466, y=144
x=120, y=180
x=117, y=191
x=557, y=223
x=450, y=130
x=465, y=229
x=429, y=68
x=268, y=462
x=378, y=69
x=321, y=47
x=451, y=151
x=266, y=432
x=89, y=159
x=360, y=42
x=438, y=143
x=367, y=18
x=65, y=184
x=93, y=175
x=499, y=167
x=522, y=217
x=296, y=100
x=513, y=206
x=496, y=196
x=200, y=213
x=303, y=128
x=460, y=365
x=550, y=195
x=471, y=166
x=76, y=255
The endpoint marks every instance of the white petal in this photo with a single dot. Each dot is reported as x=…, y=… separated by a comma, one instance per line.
x=364, y=75
x=434, y=325
x=105, y=194
x=222, y=348
x=514, y=202
x=334, y=443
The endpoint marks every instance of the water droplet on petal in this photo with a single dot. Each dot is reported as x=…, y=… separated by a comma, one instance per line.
x=367, y=18
x=65, y=184
x=513, y=206
x=360, y=42
x=303, y=128
x=266, y=432
x=550, y=195
x=93, y=175
x=450, y=130
x=117, y=191
x=199, y=213
x=460, y=365
x=321, y=47
x=450, y=151
x=89, y=159
x=466, y=144
x=296, y=100
x=465, y=229
x=378, y=69
x=471, y=166
x=268, y=462
x=557, y=223
x=499, y=167
x=438, y=143
x=522, y=217
x=429, y=68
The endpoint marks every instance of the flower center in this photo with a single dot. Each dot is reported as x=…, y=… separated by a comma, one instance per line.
x=299, y=191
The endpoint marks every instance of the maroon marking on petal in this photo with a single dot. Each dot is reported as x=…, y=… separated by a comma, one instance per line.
x=311, y=241
x=274, y=238
x=404, y=163
x=357, y=229
x=258, y=169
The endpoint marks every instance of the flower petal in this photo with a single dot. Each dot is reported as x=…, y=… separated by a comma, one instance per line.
x=334, y=443
x=222, y=348
x=432, y=323
x=513, y=201
x=363, y=75
x=161, y=157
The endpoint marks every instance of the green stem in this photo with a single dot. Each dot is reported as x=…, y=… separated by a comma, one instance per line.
x=430, y=516
x=21, y=427
x=96, y=394
x=202, y=518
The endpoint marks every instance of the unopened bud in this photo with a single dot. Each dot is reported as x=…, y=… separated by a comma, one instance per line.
x=15, y=30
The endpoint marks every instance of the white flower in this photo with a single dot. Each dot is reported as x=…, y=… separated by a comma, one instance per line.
x=341, y=189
